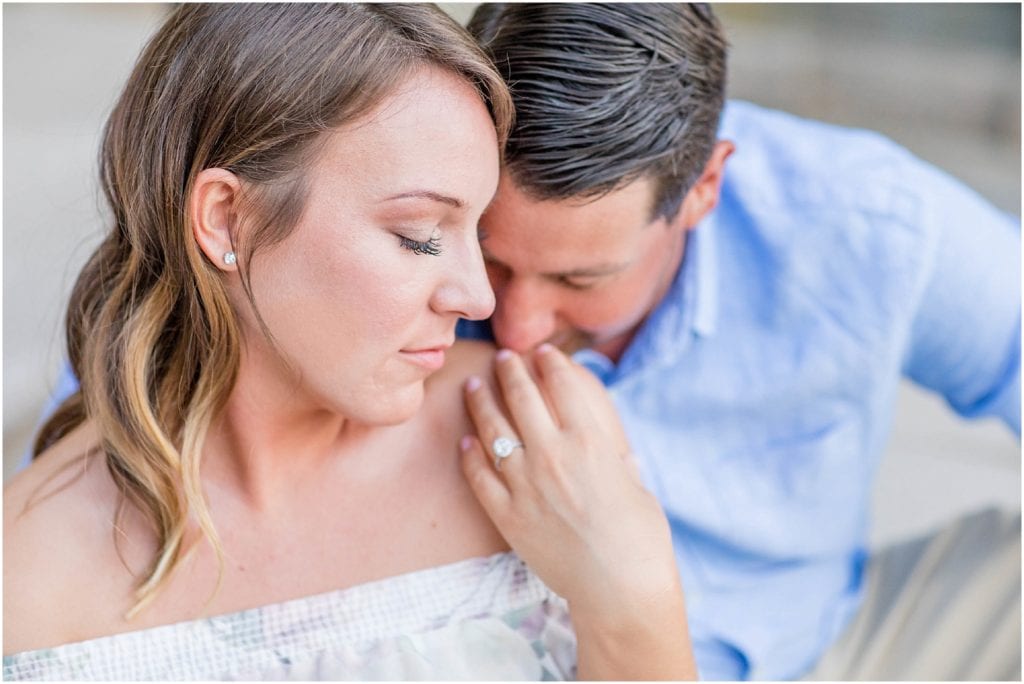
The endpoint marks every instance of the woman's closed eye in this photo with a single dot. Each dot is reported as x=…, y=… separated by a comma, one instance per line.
x=432, y=246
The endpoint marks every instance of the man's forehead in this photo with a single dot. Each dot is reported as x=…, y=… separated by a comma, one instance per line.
x=585, y=261
x=557, y=250
x=621, y=211
x=564, y=236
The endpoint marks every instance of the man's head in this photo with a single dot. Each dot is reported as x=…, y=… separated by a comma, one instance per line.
x=612, y=158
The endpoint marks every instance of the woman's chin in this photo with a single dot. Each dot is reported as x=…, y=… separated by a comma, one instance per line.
x=396, y=408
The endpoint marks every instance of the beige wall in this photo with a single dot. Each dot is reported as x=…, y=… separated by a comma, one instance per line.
x=63, y=67
x=952, y=100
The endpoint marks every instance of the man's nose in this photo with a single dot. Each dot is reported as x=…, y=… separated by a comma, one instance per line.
x=523, y=317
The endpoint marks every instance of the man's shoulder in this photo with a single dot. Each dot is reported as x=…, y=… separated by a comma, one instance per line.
x=784, y=160
x=798, y=184
x=795, y=135
x=835, y=224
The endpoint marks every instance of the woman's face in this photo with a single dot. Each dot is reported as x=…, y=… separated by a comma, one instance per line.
x=363, y=296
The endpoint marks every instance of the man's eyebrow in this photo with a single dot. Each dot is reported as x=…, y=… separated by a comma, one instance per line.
x=590, y=271
x=430, y=195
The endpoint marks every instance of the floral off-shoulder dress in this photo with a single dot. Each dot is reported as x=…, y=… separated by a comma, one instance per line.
x=483, y=618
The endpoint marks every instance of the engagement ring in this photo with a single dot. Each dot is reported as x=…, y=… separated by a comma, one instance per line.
x=502, y=447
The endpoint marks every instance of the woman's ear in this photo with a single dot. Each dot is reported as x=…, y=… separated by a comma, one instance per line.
x=213, y=207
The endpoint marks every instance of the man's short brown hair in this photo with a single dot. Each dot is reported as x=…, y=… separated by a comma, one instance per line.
x=608, y=93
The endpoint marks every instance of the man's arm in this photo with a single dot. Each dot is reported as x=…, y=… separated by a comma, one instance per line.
x=965, y=337
x=67, y=384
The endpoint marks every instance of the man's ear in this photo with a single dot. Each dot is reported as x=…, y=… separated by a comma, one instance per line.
x=703, y=196
x=213, y=209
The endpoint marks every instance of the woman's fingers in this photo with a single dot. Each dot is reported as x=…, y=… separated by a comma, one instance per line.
x=522, y=396
x=563, y=386
x=569, y=503
x=486, y=483
x=579, y=400
x=491, y=425
x=633, y=468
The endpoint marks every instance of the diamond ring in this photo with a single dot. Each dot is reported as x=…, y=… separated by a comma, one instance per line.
x=503, y=448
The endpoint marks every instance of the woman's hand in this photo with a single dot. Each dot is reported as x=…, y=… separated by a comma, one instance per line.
x=571, y=503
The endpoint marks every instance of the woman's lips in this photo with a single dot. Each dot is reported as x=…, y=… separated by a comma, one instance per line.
x=431, y=359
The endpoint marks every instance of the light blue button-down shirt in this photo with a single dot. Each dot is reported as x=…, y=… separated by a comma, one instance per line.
x=759, y=394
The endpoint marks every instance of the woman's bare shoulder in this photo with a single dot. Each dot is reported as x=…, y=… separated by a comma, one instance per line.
x=52, y=486
x=444, y=421
x=465, y=359
x=58, y=537
x=469, y=357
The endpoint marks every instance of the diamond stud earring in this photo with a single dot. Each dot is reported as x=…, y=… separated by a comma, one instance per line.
x=229, y=258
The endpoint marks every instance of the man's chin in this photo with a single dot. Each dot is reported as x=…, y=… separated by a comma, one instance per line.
x=611, y=346
x=569, y=342
x=572, y=342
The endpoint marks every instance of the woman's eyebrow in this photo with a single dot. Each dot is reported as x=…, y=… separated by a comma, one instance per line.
x=430, y=195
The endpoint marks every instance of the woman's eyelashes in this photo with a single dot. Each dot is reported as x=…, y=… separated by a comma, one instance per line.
x=431, y=246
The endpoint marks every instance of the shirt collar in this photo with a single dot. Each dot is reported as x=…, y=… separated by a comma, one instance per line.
x=703, y=240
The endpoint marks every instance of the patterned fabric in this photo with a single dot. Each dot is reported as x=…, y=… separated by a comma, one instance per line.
x=482, y=618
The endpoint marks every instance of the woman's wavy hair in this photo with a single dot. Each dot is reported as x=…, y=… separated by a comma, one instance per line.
x=606, y=93
x=151, y=336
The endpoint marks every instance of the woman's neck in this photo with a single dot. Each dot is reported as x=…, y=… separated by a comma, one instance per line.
x=272, y=436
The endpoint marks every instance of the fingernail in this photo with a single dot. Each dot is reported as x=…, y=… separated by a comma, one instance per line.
x=544, y=348
x=473, y=384
x=465, y=442
x=503, y=355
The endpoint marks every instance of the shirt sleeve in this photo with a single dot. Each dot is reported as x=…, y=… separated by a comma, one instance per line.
x=67, y=385
x=965, y=335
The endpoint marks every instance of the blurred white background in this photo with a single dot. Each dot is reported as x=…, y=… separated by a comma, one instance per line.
x=943, y=80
